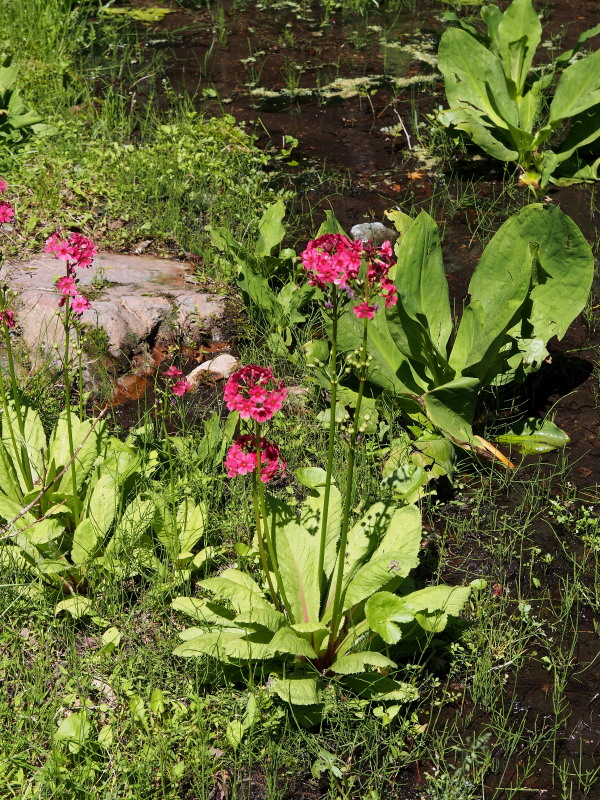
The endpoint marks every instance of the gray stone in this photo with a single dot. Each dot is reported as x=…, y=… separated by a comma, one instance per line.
x=373, y=232
x=135, y=299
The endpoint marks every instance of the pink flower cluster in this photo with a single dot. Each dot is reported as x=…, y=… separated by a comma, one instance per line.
x=181, y=386
x=334, y=259
x=78, y=251
x=255, y=393
x=241, y=458
x=7, y=212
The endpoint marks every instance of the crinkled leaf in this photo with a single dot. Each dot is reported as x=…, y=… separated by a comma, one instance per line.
x=383, y=611
x=297, y=555
x=535, y=436
x=355, y=663
x=286, y=640
x=297, y=690
x=380, y=687
x=77, y=606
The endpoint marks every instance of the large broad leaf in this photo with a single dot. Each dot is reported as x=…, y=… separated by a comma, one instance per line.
x=31, y=445
x=420, y=280
x=210, y=644
x=86, y=540
x=498, y=289
x=393, y=559
x=471, y=124
x=433, y=605
x=474, y=78
x=258, y=291
x=407, y=482
x=203, y=610
x=76, y=606
x=355, y=663
x=393, y=370
x=330, y=225
x=380, y=687
x=562, y=275
x=254, y=646
x=584, y=129
x=297, y=556
x=191, y=519
x=365, y=536
x=519, y=34
x=271, y=230
x=60, y=453
x=237, y=587
x=103, y=503
x=451, y=407
x=287, y=640
x=75, y=729
x=311, y=517
x=298, y=690
x=383, y=612
x=534, y=436
x=133, y=523
x=9, y=482
x=577, y=89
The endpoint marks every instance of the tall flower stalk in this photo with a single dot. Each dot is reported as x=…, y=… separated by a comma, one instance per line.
x=77, y=251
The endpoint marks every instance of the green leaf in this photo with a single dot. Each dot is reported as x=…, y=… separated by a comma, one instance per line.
x=148, y=14
x=499, y=288
x=451, y=407
x=474, y=78
x=297, y=555
x=311, y=477
x=31, y=445
x=436, y=454
x=271, y=229
x=76, y=606
x=258, y=290
x=577, y=90
x=471, y=124
x=311, y=517
x=421, y=282
x=287, y=640
x=432, y=605
x=203, y=610
x=254, y=646
x=75, y=729
x=519, y=34
x=406, y=482
x=583, y=130
x=393, y=559
x=191, y=520
x=243, y=592
x=535, y=436
x=383, y=610
x=380, y=687
x=354, y=663
x=298, y=690
x=330, y=225
x=208, y=644
x=86, y=540
x=365, y=536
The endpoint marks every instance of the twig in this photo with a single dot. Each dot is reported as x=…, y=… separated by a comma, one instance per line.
x=404, y=129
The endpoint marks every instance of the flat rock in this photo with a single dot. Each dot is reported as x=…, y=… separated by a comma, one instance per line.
x=136, y=300
x=222, y=365
x=374, y=232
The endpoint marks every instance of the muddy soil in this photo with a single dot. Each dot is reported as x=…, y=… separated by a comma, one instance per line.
x=355, y=94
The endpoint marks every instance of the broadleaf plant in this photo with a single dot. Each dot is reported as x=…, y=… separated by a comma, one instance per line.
x=532, y=280
x=318, y=608
x=498, y=99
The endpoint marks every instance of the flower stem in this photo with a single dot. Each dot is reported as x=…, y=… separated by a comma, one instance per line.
x=80, y=372
x=261, y=544
x=337, y=597
x=11, y=431
x=265, y=527
x=333, y=394
x=67, y=382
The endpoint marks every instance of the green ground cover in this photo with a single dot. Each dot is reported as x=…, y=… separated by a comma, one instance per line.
x=94, y=702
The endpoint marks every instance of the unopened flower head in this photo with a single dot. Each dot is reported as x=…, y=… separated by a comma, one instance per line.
x=255, y=393
x=241, y=458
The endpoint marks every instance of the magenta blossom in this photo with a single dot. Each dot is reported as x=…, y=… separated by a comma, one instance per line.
x=241, y=458
x=173, y=372
x=79, y=304
x=3, y=185
x=255, y=393
x=67, y=286
x=181, y=387
x=7, y=212
x=335, y=260
x=8, y=318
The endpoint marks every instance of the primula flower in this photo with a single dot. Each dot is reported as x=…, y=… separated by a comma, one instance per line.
x=3, y=185
x=7, y=212
x=173, y=372
x=363, y=310
x=7, y=317
x=181, y=387
x=332, y=259
x=79, y=304
x=241, y=458
x=254, y=392
x=67, y=286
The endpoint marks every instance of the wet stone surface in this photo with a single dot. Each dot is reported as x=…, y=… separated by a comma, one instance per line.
x=137, y=301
